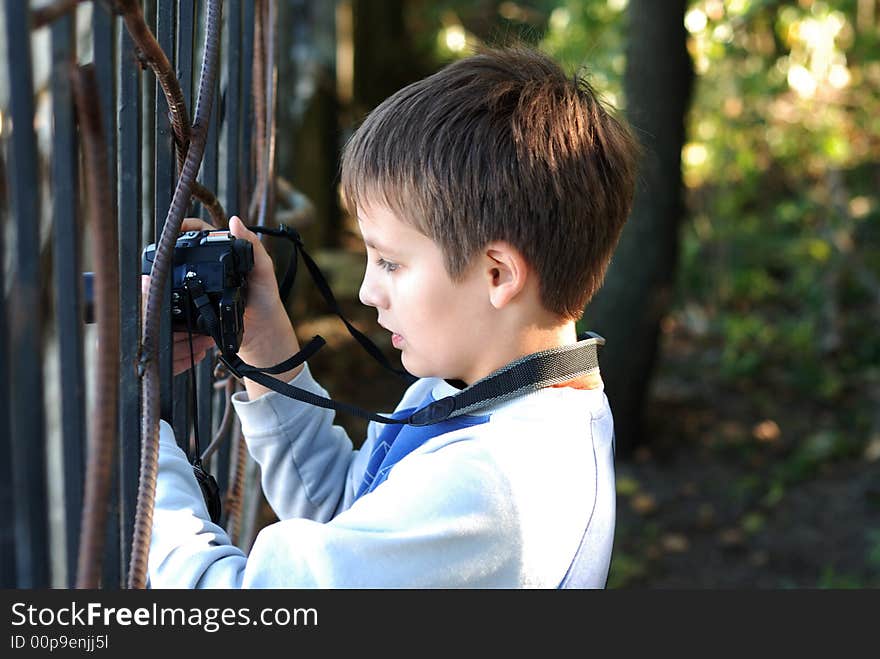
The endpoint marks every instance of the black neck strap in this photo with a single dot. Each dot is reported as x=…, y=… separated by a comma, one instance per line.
x=523, y=376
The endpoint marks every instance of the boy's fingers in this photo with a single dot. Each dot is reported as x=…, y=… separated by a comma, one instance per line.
x=195, y=224
x=182, y=365
x=199, y=342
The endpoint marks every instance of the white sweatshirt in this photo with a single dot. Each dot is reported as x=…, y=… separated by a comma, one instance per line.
x=502, y=504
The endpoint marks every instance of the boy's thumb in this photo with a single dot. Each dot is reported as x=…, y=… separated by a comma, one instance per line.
x=239, y=230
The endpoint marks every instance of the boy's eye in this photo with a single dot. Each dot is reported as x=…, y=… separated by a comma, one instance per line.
x=388, y=266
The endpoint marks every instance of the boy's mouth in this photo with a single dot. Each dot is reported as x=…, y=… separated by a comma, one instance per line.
x=397, y=340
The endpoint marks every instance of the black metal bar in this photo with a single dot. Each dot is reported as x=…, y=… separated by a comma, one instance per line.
x=164, y=168
x=102, y=30
x=209, y=172
x=247, y=101
x=67, y=278
x=128, y=195
x=104, y=51
x=185, y=40
x=7, y=515
x=231, y=130
x=204, y=371
x=27, y=417
x=148, y=144
x=230, y=154
x=184, y=70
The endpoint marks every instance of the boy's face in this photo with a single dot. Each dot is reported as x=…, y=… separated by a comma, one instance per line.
x=435, y=323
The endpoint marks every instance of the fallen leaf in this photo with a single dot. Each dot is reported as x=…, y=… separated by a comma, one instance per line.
x=643, y=504
x=766, y=431
x=675, y=543
x=872, y=450
x=731, y=537
x=705, y=515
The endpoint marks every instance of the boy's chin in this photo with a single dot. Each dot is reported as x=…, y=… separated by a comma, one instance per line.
x=417, y=367
x=421, y=369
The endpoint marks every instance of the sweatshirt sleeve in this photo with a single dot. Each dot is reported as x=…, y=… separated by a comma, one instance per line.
x=441, y=519
x=308, y=465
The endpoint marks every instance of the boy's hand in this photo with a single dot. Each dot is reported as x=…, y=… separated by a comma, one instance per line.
x=180, y=340
x=268, y=335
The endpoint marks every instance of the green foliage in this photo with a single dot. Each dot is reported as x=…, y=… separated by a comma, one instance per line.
x=625, y=570
x=832, y=580
x=873, y=556
x=781, y=171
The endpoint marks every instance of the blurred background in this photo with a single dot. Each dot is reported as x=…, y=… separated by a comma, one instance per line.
x=741, y=308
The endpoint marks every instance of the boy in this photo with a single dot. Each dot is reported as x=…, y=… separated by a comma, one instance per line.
x=490, y=197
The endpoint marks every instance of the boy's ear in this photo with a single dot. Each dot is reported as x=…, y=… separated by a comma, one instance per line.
x=506, y=273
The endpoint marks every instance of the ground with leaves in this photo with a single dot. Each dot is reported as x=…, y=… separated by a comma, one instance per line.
x=745, y=487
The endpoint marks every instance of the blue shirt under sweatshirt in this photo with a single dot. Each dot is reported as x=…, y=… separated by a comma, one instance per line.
x=396, y=441
x=503, y=500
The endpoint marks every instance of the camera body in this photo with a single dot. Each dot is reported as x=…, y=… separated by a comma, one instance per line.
x=217, y=263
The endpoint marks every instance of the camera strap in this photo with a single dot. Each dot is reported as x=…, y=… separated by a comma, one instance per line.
x=207, y=482
x=518, y=378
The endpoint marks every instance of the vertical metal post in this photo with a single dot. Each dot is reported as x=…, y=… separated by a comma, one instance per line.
x=204, y=370
x=247, y=100
x=27, y=416
x=128, y=200
x=67, y=279
x=184, y=70
x=104, y=49
x=230, y=152
x=231, y=131
x=164, y=168
x=185, y=39
x=102, y=30
x=7, y=515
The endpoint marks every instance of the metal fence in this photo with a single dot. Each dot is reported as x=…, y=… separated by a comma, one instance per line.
x=47, y=350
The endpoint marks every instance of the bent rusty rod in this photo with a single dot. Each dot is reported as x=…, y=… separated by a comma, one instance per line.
x=104, y=237
x=149, y=343
x=154, y=57
x=42, y=16
x=225, y=422
x=235, y=495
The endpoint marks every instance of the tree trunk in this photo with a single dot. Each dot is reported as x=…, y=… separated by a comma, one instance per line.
x=639, y=284
x=385, y=58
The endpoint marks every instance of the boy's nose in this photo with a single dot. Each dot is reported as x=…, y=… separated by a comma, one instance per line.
x=371, y=295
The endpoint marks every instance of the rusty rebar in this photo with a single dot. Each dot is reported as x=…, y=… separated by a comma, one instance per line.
x=42, y=16
x=235, y=492
x=225, y=422
x=159, y=274
x=105, y=242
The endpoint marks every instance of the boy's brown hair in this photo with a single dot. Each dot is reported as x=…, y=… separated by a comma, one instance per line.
x=502, y=146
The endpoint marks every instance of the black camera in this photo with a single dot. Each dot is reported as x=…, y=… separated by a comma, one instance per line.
x=209, y=284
